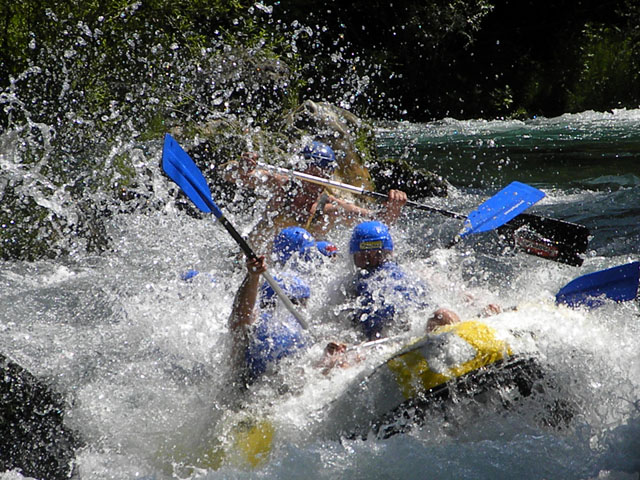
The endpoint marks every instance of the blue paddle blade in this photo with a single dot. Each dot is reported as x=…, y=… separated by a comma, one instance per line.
x=180, y=168
x=618, y=283
x=512, y=200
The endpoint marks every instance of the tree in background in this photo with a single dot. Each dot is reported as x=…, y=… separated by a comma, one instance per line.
x=107, y=62
x=465, y=59
x=401, y=60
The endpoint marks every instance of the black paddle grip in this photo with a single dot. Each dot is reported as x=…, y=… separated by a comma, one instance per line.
x=248, y=251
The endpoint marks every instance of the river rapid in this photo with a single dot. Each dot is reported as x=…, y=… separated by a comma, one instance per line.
x=142, y=357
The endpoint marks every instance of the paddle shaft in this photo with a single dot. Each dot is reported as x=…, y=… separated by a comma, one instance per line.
x=248, y=251
x=357, y=190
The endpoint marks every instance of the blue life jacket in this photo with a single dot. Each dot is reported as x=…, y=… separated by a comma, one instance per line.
x=383, y=293
x=273, y=339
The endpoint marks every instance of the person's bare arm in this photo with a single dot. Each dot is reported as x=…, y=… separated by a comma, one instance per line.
x=243, y=313
x=396, y=199
x=344, y=210
x=337, y=207
x=247, y=173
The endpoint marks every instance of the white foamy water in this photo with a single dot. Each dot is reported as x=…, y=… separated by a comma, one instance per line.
x=142, y=356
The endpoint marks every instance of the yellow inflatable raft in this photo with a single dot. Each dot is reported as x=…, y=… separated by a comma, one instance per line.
x=467, y=357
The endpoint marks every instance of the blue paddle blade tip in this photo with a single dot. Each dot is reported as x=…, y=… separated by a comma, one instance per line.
x=509, y=202
x=619, y=284
x=180, y=168
x=189, y=275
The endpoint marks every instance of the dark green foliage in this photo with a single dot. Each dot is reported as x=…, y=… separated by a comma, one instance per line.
x=110, y=61
x=416, y=60
x=427, y=60
x=20, y=234
x=80, y=81
x=401, y=50
x=530, y=58
x=609, y=77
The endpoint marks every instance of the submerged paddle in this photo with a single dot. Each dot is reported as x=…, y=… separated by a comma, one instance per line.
x=183, y=171
x=619, y=284
x=541, y=236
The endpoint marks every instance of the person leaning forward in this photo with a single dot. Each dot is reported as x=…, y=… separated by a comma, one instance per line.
x=263, y=335
x=293, y=202
x=383, y=291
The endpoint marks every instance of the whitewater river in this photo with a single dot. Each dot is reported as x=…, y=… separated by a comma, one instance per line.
x=141, y=356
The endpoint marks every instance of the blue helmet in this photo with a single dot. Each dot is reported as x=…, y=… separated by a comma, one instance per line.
x=321, y=154
x=294, y=287
x=371, y=235
x=291, y=240
x=327, y=249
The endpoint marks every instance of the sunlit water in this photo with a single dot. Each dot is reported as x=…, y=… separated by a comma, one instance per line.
x=142, y=356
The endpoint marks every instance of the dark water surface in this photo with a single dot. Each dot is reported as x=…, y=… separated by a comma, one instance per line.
x=589, y=164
